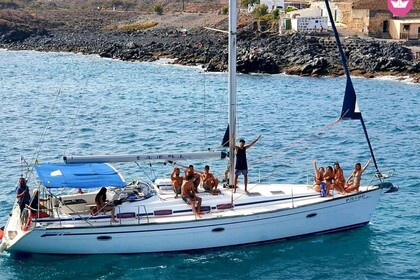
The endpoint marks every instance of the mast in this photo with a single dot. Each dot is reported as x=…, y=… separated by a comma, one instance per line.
x=350, y=109
x=232, y=87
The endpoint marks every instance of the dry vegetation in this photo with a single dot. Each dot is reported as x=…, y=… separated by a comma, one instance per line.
x=137, y=26
x=112, y=14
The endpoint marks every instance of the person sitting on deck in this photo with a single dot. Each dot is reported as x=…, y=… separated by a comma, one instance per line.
x=103, y=205
x=209, y=181
x=196, y=176
x=328, y=178
x=339, y=179
x=319, y=177
x=176, y=181
x=189, y=195
x=357, y=177
x=38, y=210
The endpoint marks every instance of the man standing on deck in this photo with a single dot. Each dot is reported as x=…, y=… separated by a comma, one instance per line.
x=241, y=166
x=22, y=194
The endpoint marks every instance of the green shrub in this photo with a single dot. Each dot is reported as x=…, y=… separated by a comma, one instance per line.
x=290, y=9
x=260, y=11
x=267, y=17
x=276, y=13
x=158, y=9
x=225, y=10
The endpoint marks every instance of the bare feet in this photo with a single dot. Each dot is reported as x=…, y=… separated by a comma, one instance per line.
x=115, y=221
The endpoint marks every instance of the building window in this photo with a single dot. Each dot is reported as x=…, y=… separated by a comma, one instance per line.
x=406, y=27
x=385, y=26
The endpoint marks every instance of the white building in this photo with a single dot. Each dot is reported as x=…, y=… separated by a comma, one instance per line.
x=309, y=20
x=273, y=4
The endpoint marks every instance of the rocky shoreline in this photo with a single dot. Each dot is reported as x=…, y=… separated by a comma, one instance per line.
x=297, y=54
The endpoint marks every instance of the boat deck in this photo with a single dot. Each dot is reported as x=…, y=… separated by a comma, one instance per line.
x=165, y=208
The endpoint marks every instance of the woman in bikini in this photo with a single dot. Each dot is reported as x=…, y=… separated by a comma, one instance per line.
x=339, y=180
x=329, y=177
x=357, y=176
x=319, y=177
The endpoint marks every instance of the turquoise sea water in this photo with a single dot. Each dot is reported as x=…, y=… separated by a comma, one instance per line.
x=91, y=105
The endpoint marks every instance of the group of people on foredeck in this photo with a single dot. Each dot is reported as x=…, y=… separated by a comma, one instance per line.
x=187, y=185
x=332, y=178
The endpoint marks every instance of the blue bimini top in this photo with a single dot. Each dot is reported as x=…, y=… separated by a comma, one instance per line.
x=91, y=175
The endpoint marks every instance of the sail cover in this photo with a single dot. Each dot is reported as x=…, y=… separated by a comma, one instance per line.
x=94, y=175
x=350, y=108
x=225, y=140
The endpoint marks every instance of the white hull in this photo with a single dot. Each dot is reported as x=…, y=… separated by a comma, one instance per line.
x=244, y=225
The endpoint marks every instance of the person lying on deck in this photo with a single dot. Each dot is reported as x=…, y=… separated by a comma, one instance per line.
x=189, y=195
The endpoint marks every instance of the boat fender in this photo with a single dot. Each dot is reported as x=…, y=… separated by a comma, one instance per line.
x=26, y=219
x=1, y=234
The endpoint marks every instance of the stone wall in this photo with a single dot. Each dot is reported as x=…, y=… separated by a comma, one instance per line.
x=359, y=21
x=376, y=23
x=343, y=10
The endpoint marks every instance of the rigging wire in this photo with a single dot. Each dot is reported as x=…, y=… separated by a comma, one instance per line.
x=141, y=168
x=296, y=143
x=204, y=112
x=47, y=122
x=298, y=152
x=74, y=122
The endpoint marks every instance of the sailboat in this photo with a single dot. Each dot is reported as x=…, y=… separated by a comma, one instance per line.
x=150, y=219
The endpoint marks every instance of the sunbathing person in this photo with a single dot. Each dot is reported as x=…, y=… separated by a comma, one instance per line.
x=103, y=205
x=196, y=176
x=189, y=195
x=319, y=177
x=357, y=177
x=176, y=181
x=328, y=178
x=209, y=181
x=339, y=180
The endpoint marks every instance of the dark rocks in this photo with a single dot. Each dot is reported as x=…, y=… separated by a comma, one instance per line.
x=296, y=54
